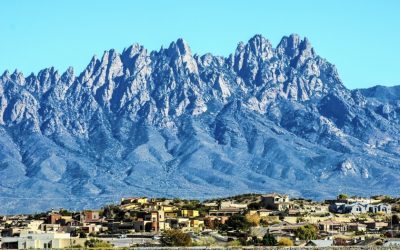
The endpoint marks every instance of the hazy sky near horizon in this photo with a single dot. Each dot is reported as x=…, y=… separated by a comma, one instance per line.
x=361, y=37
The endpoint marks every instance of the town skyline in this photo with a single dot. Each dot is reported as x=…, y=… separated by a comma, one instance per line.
x=243, y=220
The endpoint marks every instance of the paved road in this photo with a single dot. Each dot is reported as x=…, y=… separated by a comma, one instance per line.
x=126, y=242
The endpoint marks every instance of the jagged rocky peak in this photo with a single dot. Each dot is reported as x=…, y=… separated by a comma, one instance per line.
x=69, y=71
x=68, y=76
x=135, y=59
x=42, y=82
x=180, y=48
x=111, y=60
x=292, y=46
x=18, y=77
x=90, y=69
x=6, y=74
x=132, y=50
x=99, y=72
x=249, y=57
x=181, y=55
x=48, y=75
x=260, y=46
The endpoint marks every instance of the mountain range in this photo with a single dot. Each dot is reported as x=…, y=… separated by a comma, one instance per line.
x=171, y=123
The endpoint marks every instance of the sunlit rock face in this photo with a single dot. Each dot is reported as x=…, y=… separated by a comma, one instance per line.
x=173, y=123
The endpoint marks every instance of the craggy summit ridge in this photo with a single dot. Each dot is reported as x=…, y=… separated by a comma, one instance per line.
x=172, y=123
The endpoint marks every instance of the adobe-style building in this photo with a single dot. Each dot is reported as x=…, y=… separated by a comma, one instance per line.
x=157, y=219
x=276, y=202
x=53, y=218
x=151, y=221
x=189, y=213
x=90, y=216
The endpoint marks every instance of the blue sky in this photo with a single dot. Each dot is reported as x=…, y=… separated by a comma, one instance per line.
x=361, y=37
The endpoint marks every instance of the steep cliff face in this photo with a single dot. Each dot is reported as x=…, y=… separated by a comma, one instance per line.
x=169, y=123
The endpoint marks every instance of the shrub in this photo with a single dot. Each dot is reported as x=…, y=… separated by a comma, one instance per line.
x=307, y=232
x=175, y=237
x=359, y=233
x=234, y=243
x=205, y=241
x=96, y=243
x=253, y=219
x=285, y=242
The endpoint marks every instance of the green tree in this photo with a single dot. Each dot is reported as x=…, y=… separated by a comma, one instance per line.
x=269, y=240
x=395, y=219
x=388, y=199
x=254, y=206
x=396, y=208
x=176, y=201
x=175, y=237
x=238, y=222
x=343, y=196
x=65, y=212
x=255, y=241
x=82, y=234
x=92, y=234
x=79, y=232
x=307, y=232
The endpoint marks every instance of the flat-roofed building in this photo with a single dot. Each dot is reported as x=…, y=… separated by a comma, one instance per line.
x=34, y=240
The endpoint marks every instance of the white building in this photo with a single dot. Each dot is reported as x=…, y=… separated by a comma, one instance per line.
x=42, y=240
x=231, y=204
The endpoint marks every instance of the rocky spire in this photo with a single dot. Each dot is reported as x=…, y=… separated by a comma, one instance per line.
x=18, y=77
x=180, y=48
x=292, y=47
x=68, y=76
x=6, y=74
x=181, y=55
x=249, y=57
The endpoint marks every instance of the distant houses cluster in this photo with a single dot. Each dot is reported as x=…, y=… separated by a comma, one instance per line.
x=343, y=221
x=359, y=208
